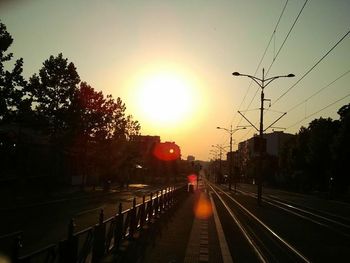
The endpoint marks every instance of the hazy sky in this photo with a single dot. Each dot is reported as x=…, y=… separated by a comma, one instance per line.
x=182, y=54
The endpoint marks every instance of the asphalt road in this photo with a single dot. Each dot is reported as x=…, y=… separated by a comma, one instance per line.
x=46, y=222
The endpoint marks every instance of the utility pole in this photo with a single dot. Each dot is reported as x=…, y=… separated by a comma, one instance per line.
x=230, y=131
x=262, y=83
x=261, y=136
x=220, y=148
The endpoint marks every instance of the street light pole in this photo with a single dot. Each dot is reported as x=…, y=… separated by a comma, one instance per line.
x=220, y=148
x=262, y=83
x=231, y=131
x=261, y=135
x=230, y=162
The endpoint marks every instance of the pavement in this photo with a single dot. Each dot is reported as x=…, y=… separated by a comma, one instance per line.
x=188, y=232
x=38, y=196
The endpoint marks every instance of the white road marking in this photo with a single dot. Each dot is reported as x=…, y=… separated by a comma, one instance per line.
x=225, y=252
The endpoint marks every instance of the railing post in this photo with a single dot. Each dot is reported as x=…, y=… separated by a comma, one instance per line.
x=143, y=214
x=166, y=198
x=173, y=195
x=119, y=228
x=169, y=197
x=161, y=198
x=99, y=240
x=156, y=202
x=17, y=244
x=68, y=249
x=150, y=208
x=71, y=227
x=132, y=219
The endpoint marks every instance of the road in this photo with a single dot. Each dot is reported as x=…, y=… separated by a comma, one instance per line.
x=47, y=222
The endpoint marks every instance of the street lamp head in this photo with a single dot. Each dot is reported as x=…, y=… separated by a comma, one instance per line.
x=290, y=75
x=236, y=74
x=218, y=127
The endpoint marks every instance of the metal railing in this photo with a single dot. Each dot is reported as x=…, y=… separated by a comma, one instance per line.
x=93, y=243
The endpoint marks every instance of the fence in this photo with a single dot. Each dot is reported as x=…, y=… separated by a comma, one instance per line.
x=93, y=243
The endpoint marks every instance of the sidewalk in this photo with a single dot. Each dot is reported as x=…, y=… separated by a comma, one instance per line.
x=177, y=236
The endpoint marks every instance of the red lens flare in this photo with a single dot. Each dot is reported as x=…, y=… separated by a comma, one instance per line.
x=167, y=151
x=192, y=178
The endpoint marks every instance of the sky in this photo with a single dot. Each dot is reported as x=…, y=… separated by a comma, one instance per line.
x=171, y=62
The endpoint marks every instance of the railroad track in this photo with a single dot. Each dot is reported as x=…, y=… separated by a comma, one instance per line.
x=256, y=241
x=335, y=223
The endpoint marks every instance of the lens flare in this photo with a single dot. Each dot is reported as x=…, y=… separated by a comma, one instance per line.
x=192, y=178
x=203, y=208
x=167, y=151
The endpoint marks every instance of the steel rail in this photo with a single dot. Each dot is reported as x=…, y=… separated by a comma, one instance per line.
x=268, y=229
x=289, y=208
x=241, y=228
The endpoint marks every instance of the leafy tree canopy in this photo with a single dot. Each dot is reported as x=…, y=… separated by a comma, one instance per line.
x=12, y=82
x=53, y=92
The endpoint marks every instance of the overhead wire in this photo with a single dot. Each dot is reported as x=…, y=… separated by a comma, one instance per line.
x=248, y=131
x=285, y=39
x=314, y=66
x=299, y=80
x=319, y=91
x=257, y=68
x=329, y=105
x=259, y=64
x=275, y=56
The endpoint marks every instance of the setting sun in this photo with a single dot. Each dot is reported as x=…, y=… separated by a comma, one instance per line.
x=165, y=98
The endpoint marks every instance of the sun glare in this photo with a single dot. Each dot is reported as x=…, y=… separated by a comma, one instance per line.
x=165, y=98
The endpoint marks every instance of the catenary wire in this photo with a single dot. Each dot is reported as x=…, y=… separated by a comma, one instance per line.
x=285, y=39
x=314, y=66
x=314, y=94
x=329, y=105
x=259, y=64
x=275, y=56
x=325, y=87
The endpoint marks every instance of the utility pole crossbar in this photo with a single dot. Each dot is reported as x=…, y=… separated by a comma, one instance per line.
x=262, y=83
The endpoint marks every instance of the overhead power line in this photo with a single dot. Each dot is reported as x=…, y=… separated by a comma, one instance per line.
x=259, y=64
x=315, y=65
x=248, y=131
x=329, y=105
x=275, y=56
x=285, y=39
x=313, y=95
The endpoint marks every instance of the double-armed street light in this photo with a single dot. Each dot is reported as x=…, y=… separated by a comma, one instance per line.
x=262, y=83
x=230, y=131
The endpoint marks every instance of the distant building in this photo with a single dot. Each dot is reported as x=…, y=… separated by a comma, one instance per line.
x=248, y=153
x=190, y=158
x=159, y=160
x=275, y=141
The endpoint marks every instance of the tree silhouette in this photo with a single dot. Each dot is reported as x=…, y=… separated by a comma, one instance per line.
x=321, y=135
x=53, y=92
x=12, y=82
x=316, y=158
x=81, y=122
x=341, y=151
x=86, y=111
